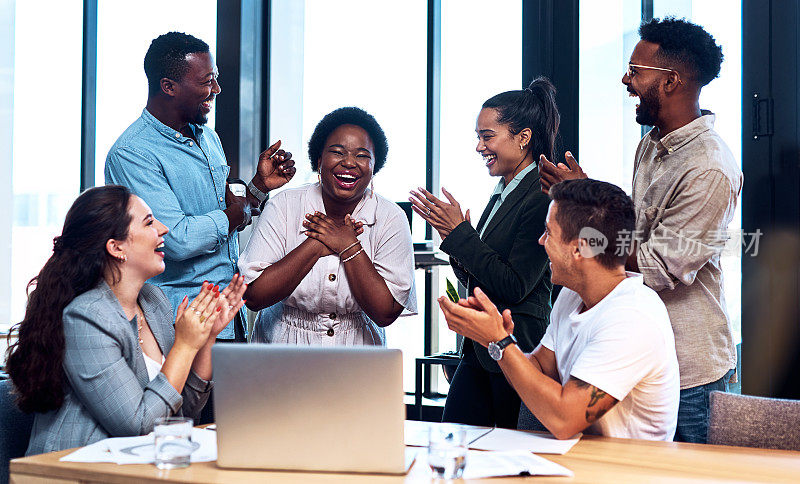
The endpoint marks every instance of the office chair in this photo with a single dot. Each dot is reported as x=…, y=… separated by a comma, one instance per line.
x=747, y=421
x=15, y=429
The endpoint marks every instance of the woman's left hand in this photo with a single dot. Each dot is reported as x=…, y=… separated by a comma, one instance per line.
x=442, y=216
x=336, y=237
x=230, y=302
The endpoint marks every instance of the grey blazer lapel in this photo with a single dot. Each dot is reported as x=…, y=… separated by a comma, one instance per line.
x=511, y=200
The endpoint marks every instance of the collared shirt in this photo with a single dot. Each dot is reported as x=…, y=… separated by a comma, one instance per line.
x=183, y=182
x=686, y=185
x=503, y=190
x=107, y=391
x=322, y=309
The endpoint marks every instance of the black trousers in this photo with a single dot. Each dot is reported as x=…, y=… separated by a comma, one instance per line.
x=480, y=397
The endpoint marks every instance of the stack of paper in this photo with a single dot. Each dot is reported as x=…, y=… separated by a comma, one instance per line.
x=516, y=463
x=140, y=450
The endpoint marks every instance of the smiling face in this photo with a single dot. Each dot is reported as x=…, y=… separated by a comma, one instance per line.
x=499, y=147
x=196, y=92
x=646, y=83
x=144, y=245
x=346, y=164
x=559, y=252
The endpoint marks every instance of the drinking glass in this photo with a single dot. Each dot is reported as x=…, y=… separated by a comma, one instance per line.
x=173, y=442
x=447, y=451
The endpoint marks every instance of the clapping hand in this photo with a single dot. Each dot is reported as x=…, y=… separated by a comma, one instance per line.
x=334, y=237
x=229, y=303
x=275, y=167
x=193, y=322
x=442, y=216
x=477, y=318
x=550, y=173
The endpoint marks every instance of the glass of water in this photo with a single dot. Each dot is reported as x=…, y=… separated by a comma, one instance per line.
x=447, y=450
x=173, y=442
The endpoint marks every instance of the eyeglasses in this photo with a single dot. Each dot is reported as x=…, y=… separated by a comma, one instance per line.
x=631, y=72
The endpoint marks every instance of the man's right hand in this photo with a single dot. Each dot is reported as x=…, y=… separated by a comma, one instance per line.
x=550, y=173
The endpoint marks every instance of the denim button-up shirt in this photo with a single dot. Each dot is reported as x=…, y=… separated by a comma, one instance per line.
x=183, y=182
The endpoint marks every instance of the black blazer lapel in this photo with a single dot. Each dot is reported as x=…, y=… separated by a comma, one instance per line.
x=485, y=214
x=511, y=200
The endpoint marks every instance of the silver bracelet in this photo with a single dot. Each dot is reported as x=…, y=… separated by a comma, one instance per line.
x=348, y=248
x=260, y=196
x=352, y=256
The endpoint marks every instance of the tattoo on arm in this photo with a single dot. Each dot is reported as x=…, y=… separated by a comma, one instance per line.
x=597, y=407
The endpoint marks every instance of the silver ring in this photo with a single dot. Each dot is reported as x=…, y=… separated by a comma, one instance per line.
x=197, y=311
x=428, y=212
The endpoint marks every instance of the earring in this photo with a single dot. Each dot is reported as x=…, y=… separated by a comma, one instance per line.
x=521, y=146
x=123, y=258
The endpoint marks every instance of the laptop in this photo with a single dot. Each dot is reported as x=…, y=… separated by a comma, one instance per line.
x=336, y=409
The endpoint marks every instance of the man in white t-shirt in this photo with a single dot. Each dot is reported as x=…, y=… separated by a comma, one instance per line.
x=607, y=363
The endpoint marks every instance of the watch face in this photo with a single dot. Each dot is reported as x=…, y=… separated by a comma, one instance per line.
x=238, y=189
x=495, y=351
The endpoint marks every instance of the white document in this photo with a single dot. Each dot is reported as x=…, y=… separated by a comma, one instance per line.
x=487, y=438
x=516, y=463
x=509, y=440
x=141, y=450
x=416, y=432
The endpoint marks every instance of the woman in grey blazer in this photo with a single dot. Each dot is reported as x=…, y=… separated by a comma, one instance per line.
x=97, y=354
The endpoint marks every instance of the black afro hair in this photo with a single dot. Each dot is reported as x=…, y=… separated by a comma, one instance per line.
x=342, y=116
x=166, y=57
x=682, y=43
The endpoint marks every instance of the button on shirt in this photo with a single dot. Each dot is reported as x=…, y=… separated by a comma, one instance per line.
x=686, y=185
x=183, y=182
x=503, y=190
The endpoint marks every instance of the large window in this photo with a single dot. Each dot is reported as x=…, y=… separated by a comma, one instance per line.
x=475, y=66
x=124, y=33
x=608, y=130
x=40, y=126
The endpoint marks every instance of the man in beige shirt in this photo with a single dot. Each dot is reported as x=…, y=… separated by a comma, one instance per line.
x=686, y=184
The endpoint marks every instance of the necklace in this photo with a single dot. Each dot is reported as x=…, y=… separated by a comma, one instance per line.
x=140, y=322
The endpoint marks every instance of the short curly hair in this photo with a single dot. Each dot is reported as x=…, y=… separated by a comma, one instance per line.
x=342, y=116
x=685, y=44
x=166, y=57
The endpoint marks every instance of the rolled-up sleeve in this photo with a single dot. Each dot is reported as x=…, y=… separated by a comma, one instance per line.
x=189, y=235
x=687, y=233
x=106, y=384
x=195, y=395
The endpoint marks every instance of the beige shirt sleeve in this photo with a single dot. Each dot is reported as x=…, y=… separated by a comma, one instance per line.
x=688, y=232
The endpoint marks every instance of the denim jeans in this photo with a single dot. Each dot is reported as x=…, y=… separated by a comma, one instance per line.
x=694, y=410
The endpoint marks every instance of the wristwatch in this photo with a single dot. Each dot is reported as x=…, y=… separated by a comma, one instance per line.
x=261, y=196
x=496, y=347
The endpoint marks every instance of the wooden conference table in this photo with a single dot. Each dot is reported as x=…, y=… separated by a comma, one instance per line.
x=593, y=459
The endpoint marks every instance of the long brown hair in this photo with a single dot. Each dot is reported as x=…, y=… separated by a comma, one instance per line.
x=79, y=261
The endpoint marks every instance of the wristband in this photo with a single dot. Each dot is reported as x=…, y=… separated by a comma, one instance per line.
x=353, y=256
x=348, y=248
x=261, y=196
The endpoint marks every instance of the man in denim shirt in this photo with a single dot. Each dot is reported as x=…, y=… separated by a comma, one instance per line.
x=179, y=168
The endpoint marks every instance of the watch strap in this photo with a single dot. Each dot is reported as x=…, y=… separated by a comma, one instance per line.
x=508, y=340
x=261, y=196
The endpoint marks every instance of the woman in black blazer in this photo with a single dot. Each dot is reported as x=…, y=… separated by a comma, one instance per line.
x=501, y=255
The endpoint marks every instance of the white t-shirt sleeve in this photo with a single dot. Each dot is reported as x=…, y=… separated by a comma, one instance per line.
x=267, y=244
x=620, y=354
x=394, y=259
